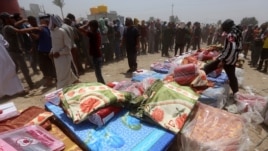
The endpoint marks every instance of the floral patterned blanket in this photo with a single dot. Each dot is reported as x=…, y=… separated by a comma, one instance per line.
x=83, y=99
x=167, y=104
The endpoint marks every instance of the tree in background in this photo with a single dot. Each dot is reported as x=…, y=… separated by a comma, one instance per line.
x=248, y=20
x=60, y=4
x=151, y=19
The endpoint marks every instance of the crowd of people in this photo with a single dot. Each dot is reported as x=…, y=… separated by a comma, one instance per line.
x=64, y=49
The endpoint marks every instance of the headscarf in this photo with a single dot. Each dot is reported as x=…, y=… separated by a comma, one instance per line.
x=182, y=25
x=103, y=27
x=101, y=23
x=55, y=20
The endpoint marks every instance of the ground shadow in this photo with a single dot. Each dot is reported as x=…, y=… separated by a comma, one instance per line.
x=127, y=75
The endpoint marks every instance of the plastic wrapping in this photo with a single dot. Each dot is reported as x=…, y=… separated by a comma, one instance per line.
x=252, y=107
x=245, y=101
x=185, y=74
x=205, y=55
x=104, y=115
x=240, y=76
x=8, y=110
x=215, y=73
x=53, y=97
x=185, y=80
x=221, y=79
x=212, y=129
x=217, y=94
x=30, y=138
x=187, y=69
x=139, y=77
x=200, y=80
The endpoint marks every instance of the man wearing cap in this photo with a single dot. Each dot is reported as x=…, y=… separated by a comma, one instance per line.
x=229, y=56
x=10, y=34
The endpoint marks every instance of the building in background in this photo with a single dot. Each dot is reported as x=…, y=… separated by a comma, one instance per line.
x=101, y=11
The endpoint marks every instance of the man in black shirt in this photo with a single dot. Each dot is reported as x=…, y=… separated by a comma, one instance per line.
x=132, y=43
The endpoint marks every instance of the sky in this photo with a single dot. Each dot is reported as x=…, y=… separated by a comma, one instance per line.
x=204, y=11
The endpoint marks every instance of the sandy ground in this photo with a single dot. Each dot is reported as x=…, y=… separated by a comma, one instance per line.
x=253, y=80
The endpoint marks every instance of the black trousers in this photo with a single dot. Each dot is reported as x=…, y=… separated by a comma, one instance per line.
x=132, y=59
x=230, y=71
x=21, y=64
x=46, y=65
x=179, y=46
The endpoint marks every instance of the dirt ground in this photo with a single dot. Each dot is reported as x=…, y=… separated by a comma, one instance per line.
x=116, y=71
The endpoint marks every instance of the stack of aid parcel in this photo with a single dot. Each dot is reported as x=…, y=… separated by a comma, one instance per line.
x=213, y=129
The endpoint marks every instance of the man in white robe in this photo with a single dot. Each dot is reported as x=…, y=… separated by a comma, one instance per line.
x=61, y=53
x=10, y=83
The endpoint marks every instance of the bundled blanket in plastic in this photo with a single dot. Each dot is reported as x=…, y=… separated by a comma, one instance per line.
x=212, y=129
x=252, y=107
x=167, y=104
x=29, y=138
x=122, y=133
x=149, y=74
x=215, y=96
x=220, y=79
x=83, y=99
x=161, y=67
x=185, y=74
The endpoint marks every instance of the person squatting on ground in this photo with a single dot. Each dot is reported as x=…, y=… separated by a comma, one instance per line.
x=94, y=36
x=228, y=57
x=61, y=53
x=132, y=43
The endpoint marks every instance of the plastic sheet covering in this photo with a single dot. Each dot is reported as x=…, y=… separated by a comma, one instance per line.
x=221, y=79
x=252, y=107
x=240, y=76
x=212, y=129
x=185, y=74
x=218, y=95
x=160, y=67
x=245, y=101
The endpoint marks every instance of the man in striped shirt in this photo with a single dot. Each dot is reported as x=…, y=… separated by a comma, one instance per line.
x=229, y=55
